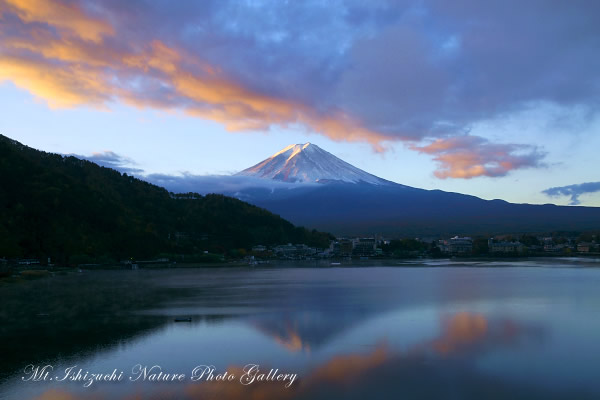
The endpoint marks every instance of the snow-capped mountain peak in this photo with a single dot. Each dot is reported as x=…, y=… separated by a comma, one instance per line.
x=308, y=163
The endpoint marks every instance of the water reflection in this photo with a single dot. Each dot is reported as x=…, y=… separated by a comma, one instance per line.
x=310, y=329
x=461, y=330
x=359, y=333
x=286, y=335
x=343, y=374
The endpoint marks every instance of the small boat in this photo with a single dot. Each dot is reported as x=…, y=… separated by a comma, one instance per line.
x=336, y=263
x=183, y=319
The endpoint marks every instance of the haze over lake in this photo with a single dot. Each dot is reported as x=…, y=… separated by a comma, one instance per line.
x=441, y=329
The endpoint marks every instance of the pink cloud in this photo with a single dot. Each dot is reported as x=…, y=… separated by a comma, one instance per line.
x=472, y=156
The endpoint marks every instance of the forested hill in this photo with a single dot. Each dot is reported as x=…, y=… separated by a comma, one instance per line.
x=63, y=207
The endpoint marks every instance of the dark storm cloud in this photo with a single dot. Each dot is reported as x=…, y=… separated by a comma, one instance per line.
x=574, y=191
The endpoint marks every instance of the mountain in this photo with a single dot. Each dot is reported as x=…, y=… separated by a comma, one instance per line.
x=66, y=208
x=308, y=163
x=349, y=201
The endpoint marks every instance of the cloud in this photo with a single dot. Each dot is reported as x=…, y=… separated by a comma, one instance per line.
x=470, y=156
x=444, y=66
x=64, y=63
x=390, y=71
x=204, y=184
x=573, y=190
x=59, y=86
x=112, y=160
x=187, y=182
x=69, y=19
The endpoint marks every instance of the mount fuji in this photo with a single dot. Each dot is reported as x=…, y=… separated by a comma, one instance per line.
x=308, y=163
x=313, y=188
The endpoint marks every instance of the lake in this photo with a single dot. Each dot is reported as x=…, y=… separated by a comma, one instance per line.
x=527, y=329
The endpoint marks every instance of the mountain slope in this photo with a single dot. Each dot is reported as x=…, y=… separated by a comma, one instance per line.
x=308, y=163
x=350, y=209
x=57, y=206
x=356, y=204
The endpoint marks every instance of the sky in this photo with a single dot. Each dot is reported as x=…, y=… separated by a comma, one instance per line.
x=498, y=99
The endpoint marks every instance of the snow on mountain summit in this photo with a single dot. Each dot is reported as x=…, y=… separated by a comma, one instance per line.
x=309, y=163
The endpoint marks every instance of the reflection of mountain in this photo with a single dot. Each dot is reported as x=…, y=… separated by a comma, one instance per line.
x=383, y=373
x=326, y=315
x=308, y=330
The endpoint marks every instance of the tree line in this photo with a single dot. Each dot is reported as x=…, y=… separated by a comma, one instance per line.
x=61, y=207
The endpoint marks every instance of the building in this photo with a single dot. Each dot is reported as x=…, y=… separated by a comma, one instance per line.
x=586, y=247
x=555, y=248
x=364, y=247
x=343, y=247
x=502, y=247
x=259, y=248
x=285, y=250
x=456, y=245
x=294, y=251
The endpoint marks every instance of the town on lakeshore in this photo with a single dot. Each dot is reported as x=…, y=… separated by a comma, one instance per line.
x=350, y=248
x=456, y=246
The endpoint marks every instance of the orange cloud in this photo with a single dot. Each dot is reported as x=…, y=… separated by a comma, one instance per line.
x=292, y=341
x=158, y=56
x=461, y=329
x=346, y=369
x=68, y=62
x=340, y=370
x=472, y=156
x=69, y=19
x=288, y=337
x=59, y=86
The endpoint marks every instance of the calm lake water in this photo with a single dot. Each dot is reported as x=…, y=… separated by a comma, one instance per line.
x=439, y=329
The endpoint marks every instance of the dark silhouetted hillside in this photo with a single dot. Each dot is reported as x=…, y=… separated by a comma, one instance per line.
x=63, y=207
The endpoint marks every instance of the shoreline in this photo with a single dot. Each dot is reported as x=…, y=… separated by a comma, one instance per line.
x=24, y=274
